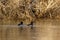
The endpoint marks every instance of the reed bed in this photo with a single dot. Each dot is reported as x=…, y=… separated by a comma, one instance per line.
x=28, y=10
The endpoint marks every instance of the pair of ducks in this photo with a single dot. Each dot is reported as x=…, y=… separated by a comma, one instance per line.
x=31, y=25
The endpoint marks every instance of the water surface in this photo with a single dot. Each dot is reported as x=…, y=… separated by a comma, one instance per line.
x=43, y=30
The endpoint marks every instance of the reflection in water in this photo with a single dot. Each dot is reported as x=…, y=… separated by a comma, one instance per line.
x=28, y=34
x=43, y=30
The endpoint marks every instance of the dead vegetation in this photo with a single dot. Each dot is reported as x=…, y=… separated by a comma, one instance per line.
x=30, y=10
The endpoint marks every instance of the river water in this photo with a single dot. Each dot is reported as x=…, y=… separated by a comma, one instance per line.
x=43, y=30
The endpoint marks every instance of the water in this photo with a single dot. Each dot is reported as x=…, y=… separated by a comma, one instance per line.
x=43, y=30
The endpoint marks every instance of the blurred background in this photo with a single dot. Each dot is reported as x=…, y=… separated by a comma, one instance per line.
x=44, y=13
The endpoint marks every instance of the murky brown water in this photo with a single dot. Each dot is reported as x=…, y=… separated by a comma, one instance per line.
x=43, y=30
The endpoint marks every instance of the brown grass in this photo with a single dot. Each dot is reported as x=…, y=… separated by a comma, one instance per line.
x=28, y=10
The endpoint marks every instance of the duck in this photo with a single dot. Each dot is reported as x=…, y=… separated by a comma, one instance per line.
x=31, y=24
x=21, y=25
